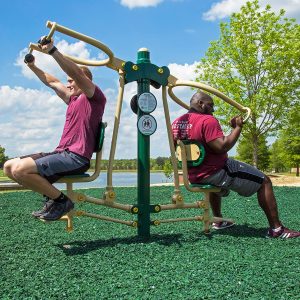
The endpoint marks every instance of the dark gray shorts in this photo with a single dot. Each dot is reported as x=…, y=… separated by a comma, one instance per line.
x=55, y=165
x=236, y=176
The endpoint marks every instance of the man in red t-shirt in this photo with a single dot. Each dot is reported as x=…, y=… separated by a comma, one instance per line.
x=219, y=170
x=86, y=104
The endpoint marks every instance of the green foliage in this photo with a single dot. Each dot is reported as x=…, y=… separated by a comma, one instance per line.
x=168, y=169
x=289, y=139
x=245, y=152
x=102, y=260
x=3, y=157
x=278, y=159
x=256, y=62
x=160, y=161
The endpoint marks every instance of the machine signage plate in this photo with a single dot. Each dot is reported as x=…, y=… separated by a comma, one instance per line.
x=147, y=102
x=147, y=125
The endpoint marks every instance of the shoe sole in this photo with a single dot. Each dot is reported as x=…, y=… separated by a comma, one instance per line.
x=220, y=228
x=52, y=220
x=56, y=219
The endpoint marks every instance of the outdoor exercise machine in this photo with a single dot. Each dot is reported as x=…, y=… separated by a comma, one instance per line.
x=145, y=74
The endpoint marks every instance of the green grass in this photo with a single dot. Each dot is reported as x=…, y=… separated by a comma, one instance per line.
x=101, y=260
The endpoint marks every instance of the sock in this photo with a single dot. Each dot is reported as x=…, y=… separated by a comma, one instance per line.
x=61, y=198
x=46, y=198
x=277, y=229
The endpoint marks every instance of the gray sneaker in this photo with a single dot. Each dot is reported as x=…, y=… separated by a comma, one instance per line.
x=57, y=210
x=48, y=203
x=222, y=225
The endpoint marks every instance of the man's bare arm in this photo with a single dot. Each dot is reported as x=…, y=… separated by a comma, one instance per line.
x=71, y=69
x=51, y=82
x=224, y=144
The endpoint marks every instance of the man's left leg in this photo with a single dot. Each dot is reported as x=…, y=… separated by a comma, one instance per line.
x=26, y=173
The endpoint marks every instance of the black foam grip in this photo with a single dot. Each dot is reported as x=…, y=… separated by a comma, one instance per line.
x=44, y=41
x=28, y=58
x=133, y=104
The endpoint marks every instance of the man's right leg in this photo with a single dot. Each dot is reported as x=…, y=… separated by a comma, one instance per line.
x=267, y=202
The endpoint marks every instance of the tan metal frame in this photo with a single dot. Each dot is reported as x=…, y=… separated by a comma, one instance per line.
x=108, y=200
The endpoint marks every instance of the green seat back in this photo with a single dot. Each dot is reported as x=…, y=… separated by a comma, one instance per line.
x=195, y=153
x=100, y=137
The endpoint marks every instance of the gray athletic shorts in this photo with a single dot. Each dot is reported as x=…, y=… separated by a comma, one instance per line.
x=236, y=176
x=55, y=165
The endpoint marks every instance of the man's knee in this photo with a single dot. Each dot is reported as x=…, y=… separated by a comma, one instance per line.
x=22, y=169
x=267, y=181
x=8, y=167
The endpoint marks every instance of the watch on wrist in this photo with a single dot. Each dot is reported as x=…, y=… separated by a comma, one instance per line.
x=52, y=50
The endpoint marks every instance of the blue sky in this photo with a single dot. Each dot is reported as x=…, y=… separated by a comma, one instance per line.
x=177, y=33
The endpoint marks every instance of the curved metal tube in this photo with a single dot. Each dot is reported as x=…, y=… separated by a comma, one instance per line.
x=173, y=82
x=115, y=131
x=56, y=27
x=170, y=138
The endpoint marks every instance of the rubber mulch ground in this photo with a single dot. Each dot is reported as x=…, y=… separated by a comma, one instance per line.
x=101, y=260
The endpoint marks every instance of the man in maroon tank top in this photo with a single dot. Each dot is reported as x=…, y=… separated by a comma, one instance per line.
x=85, y=109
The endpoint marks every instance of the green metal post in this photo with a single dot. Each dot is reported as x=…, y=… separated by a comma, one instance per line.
x=143, y=193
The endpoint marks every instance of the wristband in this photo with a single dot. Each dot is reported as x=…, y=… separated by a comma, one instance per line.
x=53, y=49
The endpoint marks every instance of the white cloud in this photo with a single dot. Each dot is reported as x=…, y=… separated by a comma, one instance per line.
x=31, y=120
x=225, y=8
x=140, y=3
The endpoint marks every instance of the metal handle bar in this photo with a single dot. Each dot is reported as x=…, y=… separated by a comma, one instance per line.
x=56, y=27
x=48, y=37
x=173, y=82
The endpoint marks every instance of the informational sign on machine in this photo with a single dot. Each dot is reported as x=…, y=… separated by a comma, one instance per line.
x=147, y=102
x=147, y=125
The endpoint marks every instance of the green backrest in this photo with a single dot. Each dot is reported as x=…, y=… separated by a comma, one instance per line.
x=100, y=137
x=195, y=153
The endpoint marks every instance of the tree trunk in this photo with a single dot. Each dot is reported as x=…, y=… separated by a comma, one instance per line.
x=255, y=150
x=297, y=170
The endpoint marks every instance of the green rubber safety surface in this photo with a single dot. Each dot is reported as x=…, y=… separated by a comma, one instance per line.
x=101, y=260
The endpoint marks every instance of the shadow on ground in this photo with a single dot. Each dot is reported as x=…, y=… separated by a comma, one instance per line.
x=83, y=247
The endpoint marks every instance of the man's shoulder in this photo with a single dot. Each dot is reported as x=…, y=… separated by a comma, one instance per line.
x=203, y=118
x=98, y=94
x=194, y=117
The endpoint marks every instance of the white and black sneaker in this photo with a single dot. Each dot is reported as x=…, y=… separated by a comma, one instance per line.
x=47, y=205
x=57, y=210
x=222, y=225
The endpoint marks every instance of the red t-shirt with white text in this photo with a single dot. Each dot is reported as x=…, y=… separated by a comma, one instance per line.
x=204, y=129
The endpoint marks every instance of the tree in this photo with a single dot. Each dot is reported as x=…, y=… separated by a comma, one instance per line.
x=256, y=62
x=245, y=152
x=278, y=159
x=160, y=161
x=290, y=138
x=3, y=157
x=168, y=169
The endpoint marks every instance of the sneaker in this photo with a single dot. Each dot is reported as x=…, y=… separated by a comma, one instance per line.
x=284, y=233
x=57, y=210
x=48, y=203
x=222, y=225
